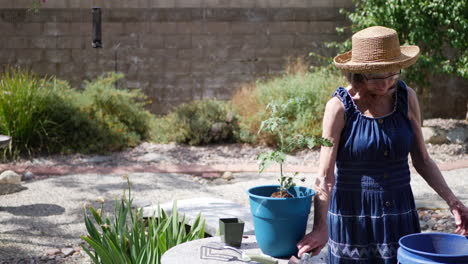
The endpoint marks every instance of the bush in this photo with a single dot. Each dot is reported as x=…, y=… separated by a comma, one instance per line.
x=23, y=115
x=128, y=238
x=200, y=122
x=47, y=115
x=303, y=95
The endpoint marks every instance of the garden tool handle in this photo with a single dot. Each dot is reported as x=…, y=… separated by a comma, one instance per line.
x=261, y=258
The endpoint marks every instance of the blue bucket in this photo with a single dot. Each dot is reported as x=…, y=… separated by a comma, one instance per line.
x=280, y=222
x=430, y=248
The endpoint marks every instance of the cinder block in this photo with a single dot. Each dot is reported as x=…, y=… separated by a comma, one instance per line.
x=343, y=3
x=8, y=4
x=282, y=27
x=327, y=27
x=246, y=27
x=163, y=3
x=16, y=43
x=194, y=27
x=55, y=4
x=303, y=40
x=7, y=29
x=204, y=41
x=54, y=29
x=152, y=41
x=58, y=56
x=8, y=57
x=163, y=27
x=242, y=4
x=30, y=29
x=188, y=3
x=282, y=41
x=111, y=28
x=43, y=42
x=193, y=53
x=70, y=42
x=282, y=14
x=178, y=41
x=136, y=27
x=256, y=15
x=216, y=3
x=178, y=66
x=256, y=42
x=217, y=27
x=80, y=29
x=28, y=56
x=296, y=3
x=268, y=3
x=44, y=68
x=85, y=56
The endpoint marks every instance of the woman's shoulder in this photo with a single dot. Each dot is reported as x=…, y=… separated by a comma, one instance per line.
x=335, y=106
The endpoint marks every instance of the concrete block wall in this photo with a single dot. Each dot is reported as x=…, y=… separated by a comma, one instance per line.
x=174, y=50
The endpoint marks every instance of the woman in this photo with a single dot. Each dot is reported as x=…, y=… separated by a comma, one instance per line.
x=367, y=205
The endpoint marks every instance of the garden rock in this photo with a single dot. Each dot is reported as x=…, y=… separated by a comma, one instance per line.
x=10, y=177
x=433, y=135
x=227, y=175
x=458, y=135
x=152, y=157
x=53, y=252
x=8, y=188
x=28, y=176
x=67, y=251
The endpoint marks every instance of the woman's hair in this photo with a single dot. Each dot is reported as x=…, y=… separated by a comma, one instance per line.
x=355, y=79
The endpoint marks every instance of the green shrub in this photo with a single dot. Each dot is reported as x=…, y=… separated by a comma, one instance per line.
x=47, y=115
x=23, y=100
x=200, y=122
x=303, y=96
x=128, y=238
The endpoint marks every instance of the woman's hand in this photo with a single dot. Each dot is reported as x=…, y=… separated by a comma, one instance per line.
x=314, y=241
x=460, y=213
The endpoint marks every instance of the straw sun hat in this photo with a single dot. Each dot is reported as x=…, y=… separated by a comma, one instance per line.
x=376, y=49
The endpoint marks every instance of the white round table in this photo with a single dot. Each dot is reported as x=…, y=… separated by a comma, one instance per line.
x=190, y=252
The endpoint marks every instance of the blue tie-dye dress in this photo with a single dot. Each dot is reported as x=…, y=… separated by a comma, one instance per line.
x=372, y=204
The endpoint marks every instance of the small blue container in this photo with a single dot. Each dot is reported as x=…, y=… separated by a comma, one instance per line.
x=280, y=222
x=430, y=248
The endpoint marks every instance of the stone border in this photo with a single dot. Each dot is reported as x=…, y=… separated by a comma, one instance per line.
x=182, y=168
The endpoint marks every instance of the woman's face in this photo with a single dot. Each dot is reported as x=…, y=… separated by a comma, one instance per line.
x=381, y=83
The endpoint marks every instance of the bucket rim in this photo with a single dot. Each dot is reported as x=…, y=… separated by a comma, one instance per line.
x=401, y=240
x=249, y=192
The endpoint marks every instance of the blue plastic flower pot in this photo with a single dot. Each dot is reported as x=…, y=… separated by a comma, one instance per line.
x=279, y=222
x=430, y=248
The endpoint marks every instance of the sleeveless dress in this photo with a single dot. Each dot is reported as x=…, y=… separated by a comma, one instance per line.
x=372, y=204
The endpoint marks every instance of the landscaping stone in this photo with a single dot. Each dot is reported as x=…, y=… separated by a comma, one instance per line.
x=28, y=176
x=458, y=135
x=211, y=175
x=434, y=136
x=211, y=208
x=151, y=157
x=67, y=251
x=10, y=177
x=227, y=175
x=53, y=252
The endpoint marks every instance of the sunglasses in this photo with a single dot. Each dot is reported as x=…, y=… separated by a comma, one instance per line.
x=373, y=77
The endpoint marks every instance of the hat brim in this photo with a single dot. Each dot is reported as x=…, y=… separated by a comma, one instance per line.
x=409, y=55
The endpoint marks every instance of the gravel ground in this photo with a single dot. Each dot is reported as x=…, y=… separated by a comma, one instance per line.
x=432, y=219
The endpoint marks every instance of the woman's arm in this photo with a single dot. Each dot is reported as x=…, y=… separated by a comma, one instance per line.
x=427, y=168
x=333, y=123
